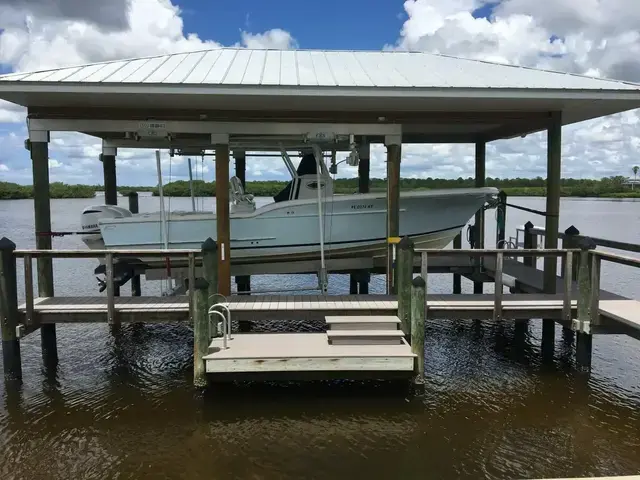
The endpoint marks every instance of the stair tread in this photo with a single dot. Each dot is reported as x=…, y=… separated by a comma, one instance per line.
x=365, y=333
x=362, y=319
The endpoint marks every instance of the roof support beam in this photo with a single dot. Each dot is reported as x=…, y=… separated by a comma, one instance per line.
x=157, y=128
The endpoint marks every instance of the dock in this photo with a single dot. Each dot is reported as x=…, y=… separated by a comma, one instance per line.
x=382, y=335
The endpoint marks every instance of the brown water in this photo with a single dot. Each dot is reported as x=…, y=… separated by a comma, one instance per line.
x=122, y=406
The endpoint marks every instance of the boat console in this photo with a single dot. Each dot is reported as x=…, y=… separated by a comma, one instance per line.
x=240, y=201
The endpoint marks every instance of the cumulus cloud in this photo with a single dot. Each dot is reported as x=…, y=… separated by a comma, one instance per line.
x=109, y=15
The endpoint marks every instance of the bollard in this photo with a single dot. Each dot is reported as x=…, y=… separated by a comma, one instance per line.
x=404, y=269
x=201, y=337
x=582, y=325
x=418, y=317
x=9, y=311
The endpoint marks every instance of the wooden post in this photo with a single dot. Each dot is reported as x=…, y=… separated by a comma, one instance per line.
x=210, y=269
x=201, y=336
x=457, y=278
x=583, y=327
x=501, y=220
x=42, y=209
x=111, y=306
x=404, y=266
x=359, y=281
x=571, y=241
x=394, y=153
x=497, y=299
x=554, y=159
x=136, y=289
x=418, y=317
x=222, y=219
x=110, y=186
x=530, y=243
x=9, y=311
x=243, y=282
x=478, y=234
x=594, y=303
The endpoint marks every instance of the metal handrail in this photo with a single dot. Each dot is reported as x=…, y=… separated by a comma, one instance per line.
x=226, y=319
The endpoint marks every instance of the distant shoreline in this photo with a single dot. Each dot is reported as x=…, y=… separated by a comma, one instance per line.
x=611, y=188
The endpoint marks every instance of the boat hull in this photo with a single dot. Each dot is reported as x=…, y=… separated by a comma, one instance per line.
x=353, y=225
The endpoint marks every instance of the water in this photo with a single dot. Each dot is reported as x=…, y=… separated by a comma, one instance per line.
x=122, y=406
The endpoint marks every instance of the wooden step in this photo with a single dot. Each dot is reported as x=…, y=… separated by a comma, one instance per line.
x=365, y=337
x=363, y=322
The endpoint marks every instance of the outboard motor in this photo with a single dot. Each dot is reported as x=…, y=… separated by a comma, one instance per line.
x=92, y=215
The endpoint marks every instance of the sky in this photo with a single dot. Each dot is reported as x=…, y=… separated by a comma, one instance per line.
x=592, y=37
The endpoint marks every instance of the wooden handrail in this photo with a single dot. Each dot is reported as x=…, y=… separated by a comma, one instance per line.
x=616, y=258
x=602, y=242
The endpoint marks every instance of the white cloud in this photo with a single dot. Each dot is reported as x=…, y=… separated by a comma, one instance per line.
x=587, y=37
x=3, y=168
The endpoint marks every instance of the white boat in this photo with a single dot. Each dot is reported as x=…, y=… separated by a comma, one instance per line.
x=289, y=228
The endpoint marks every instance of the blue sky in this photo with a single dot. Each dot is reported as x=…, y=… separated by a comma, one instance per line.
x=341, y=25
x=561, y=36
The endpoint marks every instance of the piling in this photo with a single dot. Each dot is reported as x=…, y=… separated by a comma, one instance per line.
x=570, y=241
x=359, y=280
x=478, y=227
x=530, y=243
x=243, y=282
x=394, y=152
x=9, y=311
x=418, y=316
x=136, y=289
x=583, y=338
x=210, y=271
x=201, y=334
x=44, y=266
x=223, y=228
x=404, y=267
x=457, y=278
x=501, y=220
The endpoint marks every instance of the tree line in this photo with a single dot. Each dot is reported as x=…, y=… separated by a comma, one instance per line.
x=570, y=187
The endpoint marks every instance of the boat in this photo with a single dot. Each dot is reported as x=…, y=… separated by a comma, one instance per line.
x=305, y=221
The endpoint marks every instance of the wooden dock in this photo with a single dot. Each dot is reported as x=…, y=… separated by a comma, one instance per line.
x=317, y=307
x=373, y=333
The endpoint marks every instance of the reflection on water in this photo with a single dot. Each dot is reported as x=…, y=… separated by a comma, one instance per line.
x=121, y=405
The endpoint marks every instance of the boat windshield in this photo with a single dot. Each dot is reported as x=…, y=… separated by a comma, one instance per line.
x=307, y=166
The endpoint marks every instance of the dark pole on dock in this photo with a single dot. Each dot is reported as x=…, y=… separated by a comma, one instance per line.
x=478, y=234
x=404, y=268
x=243, y=282
x=418, y=317
x=501, y=215
x=136, y=289
x=530, y=243
x=210, y=269
x=394, y=154
x=457, y=278
x=552, y=220
x=9, y=311
x=359, y=281
x=201, y=335
x=39, y=148
x=108, y=159
x=222, y=218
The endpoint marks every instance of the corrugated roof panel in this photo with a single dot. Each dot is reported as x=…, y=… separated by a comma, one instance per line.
x=238, y=68
x=145, y=70
x=186, y=66
x=62, y=74
x=84, y=72
x=108, y=70
x=164, y=70
x=381, y=75
x=38, y=76
x=202, y=68
x=289, y=68
x=220, y=67
x=306, y=72
x=324, y=75
x=15, y=76
x=340, y=69
x=418, y=71
x=126, y=71
x=255, y=68
x=271, y=72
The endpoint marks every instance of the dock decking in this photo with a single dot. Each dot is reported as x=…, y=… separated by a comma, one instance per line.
x=317, y=307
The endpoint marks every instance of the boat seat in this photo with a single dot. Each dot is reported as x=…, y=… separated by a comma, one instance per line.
x=241, y=201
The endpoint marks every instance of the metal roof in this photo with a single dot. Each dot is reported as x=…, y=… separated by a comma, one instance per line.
x=304, y=68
